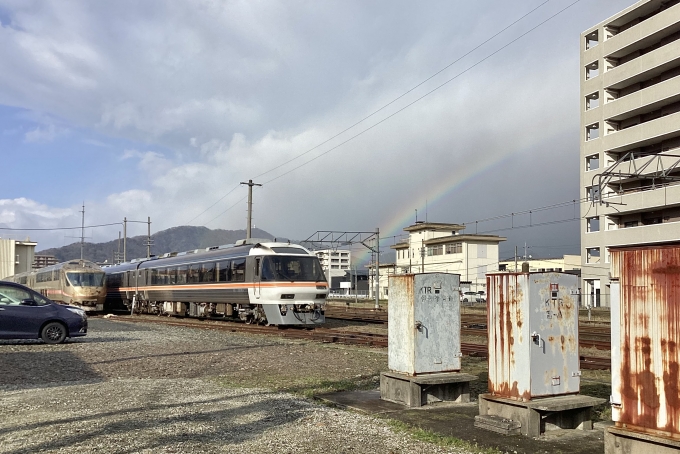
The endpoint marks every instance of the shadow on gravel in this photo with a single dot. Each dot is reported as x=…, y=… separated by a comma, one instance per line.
x=170, y=425
x=23, y=370
x=230, y=349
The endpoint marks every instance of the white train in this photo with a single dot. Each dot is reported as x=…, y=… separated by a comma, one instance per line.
x=76, y=282
x=256, y=281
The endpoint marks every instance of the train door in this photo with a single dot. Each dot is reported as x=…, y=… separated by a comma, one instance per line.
x=257, y=276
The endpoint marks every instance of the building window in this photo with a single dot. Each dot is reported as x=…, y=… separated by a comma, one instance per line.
x=593, y=224
x=592, y=193
x=592, y=162
x=592, y=40
x=592, y=70
x=454, y=248
x=435, y=250
x=593, y=255
x=630, y=224
x=592, y=131
x=593, y=100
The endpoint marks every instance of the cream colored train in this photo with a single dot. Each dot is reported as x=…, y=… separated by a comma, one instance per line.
x=76, y=282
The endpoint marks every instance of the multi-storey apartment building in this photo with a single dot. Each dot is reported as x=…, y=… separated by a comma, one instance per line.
x=41, y=261
x=630, y=136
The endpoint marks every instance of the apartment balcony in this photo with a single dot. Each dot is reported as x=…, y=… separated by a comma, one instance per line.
x=642, y=68
x=643, y=34
x=642, y=200
x=644, y=234
x=644, y=134
x=643, y=101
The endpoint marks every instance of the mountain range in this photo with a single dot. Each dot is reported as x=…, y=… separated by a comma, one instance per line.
x=183, y=238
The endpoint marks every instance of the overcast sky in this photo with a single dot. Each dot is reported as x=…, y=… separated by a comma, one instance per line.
x=160, y=109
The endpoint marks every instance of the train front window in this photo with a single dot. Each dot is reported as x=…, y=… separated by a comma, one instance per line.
x=282, y=268
x=85, y=279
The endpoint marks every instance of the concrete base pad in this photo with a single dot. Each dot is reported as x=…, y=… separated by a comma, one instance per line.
x=540, y=415
x=415, y=391
x=457, y=420
x=623, y=441
x=497, y=424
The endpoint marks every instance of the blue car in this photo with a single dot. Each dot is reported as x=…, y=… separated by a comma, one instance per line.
x=26, y=314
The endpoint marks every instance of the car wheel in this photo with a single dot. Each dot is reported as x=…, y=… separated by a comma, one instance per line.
x=53, y=333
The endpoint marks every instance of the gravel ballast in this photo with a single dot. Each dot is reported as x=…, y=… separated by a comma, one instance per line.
x=139, y=388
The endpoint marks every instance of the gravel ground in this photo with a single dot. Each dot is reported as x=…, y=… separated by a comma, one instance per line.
x=139, y=388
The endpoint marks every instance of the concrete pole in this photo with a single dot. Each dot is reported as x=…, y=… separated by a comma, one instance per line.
x=377, y=268
x=125, y=239
x=148, y=238
x=250, y=206
x=82, y=233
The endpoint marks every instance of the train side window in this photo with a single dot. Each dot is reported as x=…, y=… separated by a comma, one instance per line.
x=170, y=275
x=208, y=272
x=224, y=274
x=258, y=260
x=113, y=280
x=194, y=274
x=238, y=270
x=154, y=276
x=182, y=273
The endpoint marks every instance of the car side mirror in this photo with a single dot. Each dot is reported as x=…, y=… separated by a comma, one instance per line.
x=28, y=302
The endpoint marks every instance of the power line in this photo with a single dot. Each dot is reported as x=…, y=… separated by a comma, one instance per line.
x=221, y=198
x=405, y=93
x=61, y=228
x=426, y=94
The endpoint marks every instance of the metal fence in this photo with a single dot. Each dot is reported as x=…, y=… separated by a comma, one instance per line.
x=346, y=293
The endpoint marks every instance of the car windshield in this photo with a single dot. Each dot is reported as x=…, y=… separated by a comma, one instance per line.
x=283, y=268
x=86, y=279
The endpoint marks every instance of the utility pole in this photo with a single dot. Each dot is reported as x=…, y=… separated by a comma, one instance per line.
x=148, y=238
x=377, y=268
x=250, y=206
x=515, y=258
x=118, y=255
x=82, y=233
x=124, y=239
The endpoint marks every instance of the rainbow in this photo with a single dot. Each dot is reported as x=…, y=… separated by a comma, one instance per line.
x=459, y=178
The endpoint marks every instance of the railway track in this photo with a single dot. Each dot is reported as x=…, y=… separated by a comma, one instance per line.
x=590, y=336
x=326, y=335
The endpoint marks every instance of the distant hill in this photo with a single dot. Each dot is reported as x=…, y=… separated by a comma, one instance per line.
x=184, y=238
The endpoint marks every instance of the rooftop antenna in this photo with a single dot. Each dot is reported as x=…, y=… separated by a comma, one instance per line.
x=425, y=211
x=416, y=215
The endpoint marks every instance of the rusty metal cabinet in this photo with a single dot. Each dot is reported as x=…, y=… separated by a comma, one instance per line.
x=533, y=334
x=424, y=323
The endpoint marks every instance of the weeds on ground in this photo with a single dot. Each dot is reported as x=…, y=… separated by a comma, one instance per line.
x=441, y=440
